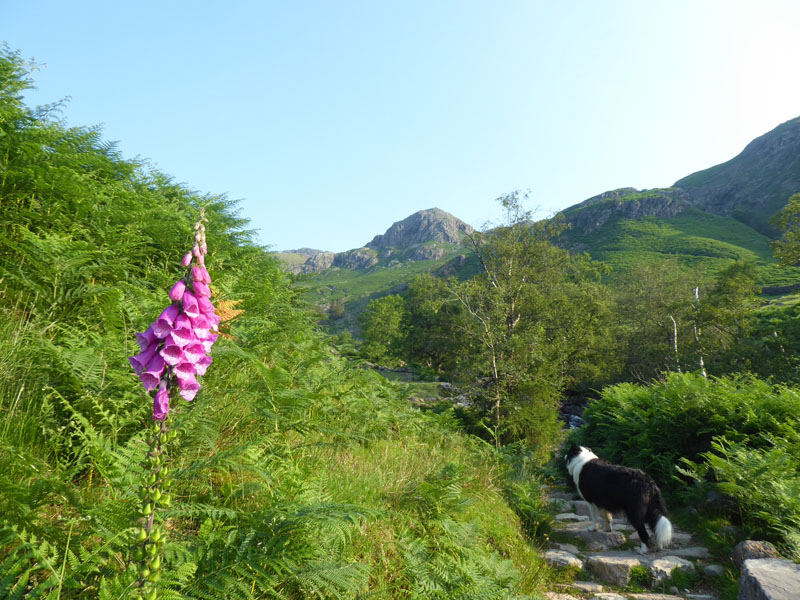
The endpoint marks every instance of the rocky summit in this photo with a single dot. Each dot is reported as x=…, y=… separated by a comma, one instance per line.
x=418, y=237
x=431, y=225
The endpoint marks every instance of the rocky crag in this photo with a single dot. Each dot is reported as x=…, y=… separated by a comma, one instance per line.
x=626, y=203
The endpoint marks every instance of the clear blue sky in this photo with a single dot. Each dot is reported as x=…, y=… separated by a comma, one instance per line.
x=331, y=120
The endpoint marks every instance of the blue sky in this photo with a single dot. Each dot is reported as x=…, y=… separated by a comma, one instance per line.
x=331, y=120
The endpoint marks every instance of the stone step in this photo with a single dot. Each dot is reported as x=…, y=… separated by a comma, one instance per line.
x=562, y=558
x=600, y=554
x=616, y=567
x=769, y=579
x=578, y=526
x=627, y=596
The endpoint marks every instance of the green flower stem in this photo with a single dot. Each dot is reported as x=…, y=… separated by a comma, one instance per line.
x=150, y=538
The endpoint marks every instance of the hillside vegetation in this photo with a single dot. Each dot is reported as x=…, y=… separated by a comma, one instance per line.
x=297, y=472
x=293, y=474
x=696, y=238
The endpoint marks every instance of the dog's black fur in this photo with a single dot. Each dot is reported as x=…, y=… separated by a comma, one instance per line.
x=622, y=490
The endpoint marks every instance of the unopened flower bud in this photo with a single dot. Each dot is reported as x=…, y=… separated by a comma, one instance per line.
x=176, y=293
x=187, y=259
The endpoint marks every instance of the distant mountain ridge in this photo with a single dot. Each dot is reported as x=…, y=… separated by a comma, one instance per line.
x=707, y=220
x=749, y=188
x=424, y=235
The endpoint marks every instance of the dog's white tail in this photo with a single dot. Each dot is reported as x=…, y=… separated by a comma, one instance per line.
x=663, y=532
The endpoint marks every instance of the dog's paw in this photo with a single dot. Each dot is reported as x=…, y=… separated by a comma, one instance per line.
x=592, y=527
x=643, y=549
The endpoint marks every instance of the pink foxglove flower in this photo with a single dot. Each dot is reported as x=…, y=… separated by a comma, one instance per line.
x=189, y=388
x=152, y=373
x=190, y=307
x=184, y=370
x=194, y=352
x=139, y=362
x=201, y=365
x=201, y=289
x=175, y=348
x=200, y=274
x=201, y=326
x=161, y=402
x=204, y=305
x=163, y=325
x=173, y=354
x=146, y=338
x=176, y=293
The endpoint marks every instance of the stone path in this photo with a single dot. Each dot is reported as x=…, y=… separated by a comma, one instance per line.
x=611, y=559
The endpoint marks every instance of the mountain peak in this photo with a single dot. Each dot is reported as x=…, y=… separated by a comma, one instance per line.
x=756, y=183
x=431, y=225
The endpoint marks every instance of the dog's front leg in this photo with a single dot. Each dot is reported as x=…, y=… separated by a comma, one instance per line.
x=593, y=515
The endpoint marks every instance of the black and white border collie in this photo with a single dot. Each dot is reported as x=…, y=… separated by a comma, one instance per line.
x=613, y=489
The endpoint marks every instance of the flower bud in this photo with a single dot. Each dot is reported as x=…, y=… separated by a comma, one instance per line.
x=187, y=259
x=176, y=293
x=201, y=289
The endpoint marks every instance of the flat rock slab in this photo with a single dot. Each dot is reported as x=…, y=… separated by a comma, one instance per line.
x=769, y=579
x=607, y=596
x=558, y=495
x=571, y=517
x=612, y=568
x=571, y=548
x=598, y=541
x=559, y=596
x=559, y=558
x=662, y=568
x=654, y=597
x=691, y=552
x=585, y=586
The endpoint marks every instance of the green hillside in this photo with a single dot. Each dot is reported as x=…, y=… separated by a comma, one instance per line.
x=755, y=184
x=696, y=237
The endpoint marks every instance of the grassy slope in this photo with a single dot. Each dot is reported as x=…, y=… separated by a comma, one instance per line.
x=357, y=288
x=697, y=237
x=292, y=259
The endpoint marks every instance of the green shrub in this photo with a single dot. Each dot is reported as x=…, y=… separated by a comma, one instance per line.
x=653, y=427
x=739, y=434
